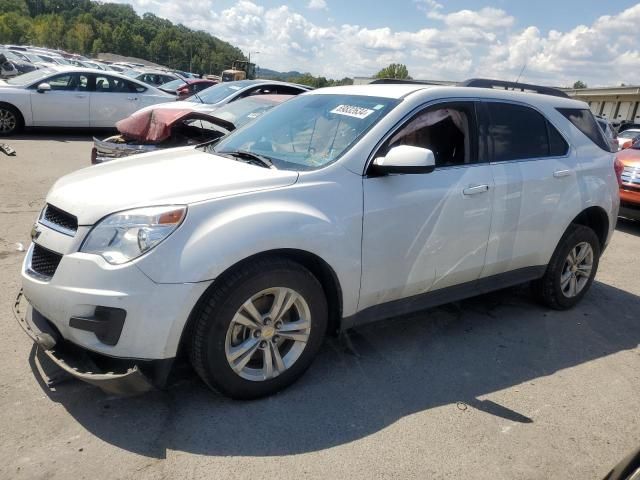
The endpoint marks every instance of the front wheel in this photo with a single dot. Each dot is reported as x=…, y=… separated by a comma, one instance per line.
x=260, y=329
x=571, y=270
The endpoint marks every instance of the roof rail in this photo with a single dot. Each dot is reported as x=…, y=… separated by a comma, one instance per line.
x=402, y=81
x=523, y=87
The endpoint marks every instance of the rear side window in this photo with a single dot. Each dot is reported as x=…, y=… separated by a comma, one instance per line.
x=517, y=132
x=584, y=121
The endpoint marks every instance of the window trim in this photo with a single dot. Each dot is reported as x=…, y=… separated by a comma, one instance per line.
x=486, y=118
x=413, y=114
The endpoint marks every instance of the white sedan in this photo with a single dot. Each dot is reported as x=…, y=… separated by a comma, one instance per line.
x=72, y=97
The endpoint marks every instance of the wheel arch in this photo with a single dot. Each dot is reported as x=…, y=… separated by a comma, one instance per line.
x=20, y=114
x=596, y=219
x=323, y=272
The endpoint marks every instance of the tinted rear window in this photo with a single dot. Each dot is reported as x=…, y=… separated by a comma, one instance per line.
x=584, y=121
x=518, y=133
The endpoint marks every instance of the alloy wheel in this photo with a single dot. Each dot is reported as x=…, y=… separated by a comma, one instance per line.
x=577, y=269
x=268, y=333
x=8, y=120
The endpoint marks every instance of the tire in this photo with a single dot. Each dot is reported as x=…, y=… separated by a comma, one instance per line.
x=10, y=120
x=217, y=336
x=553, y=289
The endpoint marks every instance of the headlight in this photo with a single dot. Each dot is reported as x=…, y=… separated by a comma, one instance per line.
x=123, y=236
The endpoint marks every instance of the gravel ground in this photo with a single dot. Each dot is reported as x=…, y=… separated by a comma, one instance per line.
x=495, y=387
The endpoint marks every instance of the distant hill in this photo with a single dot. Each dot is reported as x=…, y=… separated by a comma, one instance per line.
x=96, y=27
x=269, y=74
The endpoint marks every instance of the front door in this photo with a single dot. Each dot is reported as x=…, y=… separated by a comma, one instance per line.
x=423, y=232
x=65, y=105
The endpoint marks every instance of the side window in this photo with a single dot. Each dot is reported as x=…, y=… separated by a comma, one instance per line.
x=558, y=146
x=517, y=132
x=286, y=90
x=584, y=121
x=263, y=90
x=133, y=87
x=109, y=84
x=448, y=130
x=66, y=81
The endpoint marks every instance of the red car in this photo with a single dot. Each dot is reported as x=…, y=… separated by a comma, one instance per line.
x=628, y=161
x=185, y=87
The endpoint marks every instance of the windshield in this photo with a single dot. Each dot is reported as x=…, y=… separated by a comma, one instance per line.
x=173, y=84
x=310, y=131
x=11, y=56
x=31, y=77
x=219, y=92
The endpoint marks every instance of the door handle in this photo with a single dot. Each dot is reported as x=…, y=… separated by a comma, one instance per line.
x=132, y=98
x=561, y=173
x=475, y=189
x=79, y=95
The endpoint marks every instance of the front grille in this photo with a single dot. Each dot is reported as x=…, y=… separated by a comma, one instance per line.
x=631, y=176
x=59, y=218
x=44, y=262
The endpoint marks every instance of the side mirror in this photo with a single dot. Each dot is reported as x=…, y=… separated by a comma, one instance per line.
x=405, y=159
x=44, y=87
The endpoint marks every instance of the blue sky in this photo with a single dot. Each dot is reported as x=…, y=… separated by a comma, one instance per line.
x=560, y=41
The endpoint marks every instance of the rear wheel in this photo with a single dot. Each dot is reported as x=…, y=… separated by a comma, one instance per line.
x=260, y=329
x=10, y=120
x=571, y=270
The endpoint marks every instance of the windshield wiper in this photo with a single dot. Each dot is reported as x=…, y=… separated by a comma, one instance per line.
x=251, y=157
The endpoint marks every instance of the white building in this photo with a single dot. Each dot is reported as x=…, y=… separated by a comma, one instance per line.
x=618, y=104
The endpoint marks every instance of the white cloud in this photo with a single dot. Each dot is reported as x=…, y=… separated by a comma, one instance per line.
x=461, y=44
x=317, y=5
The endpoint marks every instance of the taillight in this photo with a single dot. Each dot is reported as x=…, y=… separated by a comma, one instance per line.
x=94, y=155
x=618, y=166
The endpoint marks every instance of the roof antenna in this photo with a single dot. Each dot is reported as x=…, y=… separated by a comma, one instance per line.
x=521, y=71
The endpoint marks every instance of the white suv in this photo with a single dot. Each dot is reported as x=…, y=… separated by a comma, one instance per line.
x=342, y=206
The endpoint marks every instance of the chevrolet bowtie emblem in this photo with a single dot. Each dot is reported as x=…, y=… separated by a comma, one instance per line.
x=35, y=233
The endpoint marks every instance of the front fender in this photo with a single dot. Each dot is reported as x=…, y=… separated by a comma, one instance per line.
x=322, y=218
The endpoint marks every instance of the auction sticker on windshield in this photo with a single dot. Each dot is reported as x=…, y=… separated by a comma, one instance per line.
x=352, y=111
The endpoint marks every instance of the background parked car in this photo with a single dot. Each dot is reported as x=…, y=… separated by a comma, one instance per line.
x=7, y=69
x=157, y=77
x=164, y=127
x=228, y=92
x=609, y=132
x=186, y=87
x=21, y=65
x=72, y=97
x=630, y=181
x=627, y=137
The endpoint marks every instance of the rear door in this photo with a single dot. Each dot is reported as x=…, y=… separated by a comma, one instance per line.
x=536, y=188
x=113, y=99
x=65, y=105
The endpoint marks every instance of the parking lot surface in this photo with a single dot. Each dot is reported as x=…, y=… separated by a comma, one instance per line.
x=495, y=387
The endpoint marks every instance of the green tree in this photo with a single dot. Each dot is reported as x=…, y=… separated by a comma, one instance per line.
x=85, y=26
x=14, y=28
x=395, y=70
x=579, y=84
x=17, y=6
x=97, y=47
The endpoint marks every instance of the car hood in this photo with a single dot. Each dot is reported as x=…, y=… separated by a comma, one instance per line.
x=630, y=157
x=174, y=176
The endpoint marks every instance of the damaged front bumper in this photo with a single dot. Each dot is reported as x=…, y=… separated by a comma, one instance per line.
x=108, y=149
x=114, y=376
